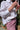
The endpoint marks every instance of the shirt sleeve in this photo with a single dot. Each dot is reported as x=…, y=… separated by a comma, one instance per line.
x=2, y=5
x=3, y=12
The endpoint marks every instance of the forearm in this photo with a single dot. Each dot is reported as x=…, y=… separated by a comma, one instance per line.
x=12, y=6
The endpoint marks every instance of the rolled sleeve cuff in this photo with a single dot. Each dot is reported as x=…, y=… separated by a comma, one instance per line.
x=7, y=11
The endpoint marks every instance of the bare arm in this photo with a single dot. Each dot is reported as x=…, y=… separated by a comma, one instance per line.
x=12, y=6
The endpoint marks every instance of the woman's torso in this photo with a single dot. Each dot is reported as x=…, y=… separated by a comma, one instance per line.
x=12, y=13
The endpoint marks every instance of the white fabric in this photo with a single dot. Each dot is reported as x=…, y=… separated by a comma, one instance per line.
x=4, y=13
x=8, y=0
x=2, y=5
x=3, y=21
x=12, y=14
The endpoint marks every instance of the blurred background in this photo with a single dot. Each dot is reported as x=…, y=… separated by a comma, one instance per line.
x=18, y=18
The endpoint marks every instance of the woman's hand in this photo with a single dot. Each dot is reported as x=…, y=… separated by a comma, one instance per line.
x=18, y=6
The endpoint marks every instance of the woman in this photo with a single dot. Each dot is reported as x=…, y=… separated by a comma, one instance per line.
x=11, y=24
x=11, y=14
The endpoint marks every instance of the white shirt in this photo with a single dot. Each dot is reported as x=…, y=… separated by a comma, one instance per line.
x=3, y=13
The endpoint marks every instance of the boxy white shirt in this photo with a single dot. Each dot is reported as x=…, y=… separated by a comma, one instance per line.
x=6, y=4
